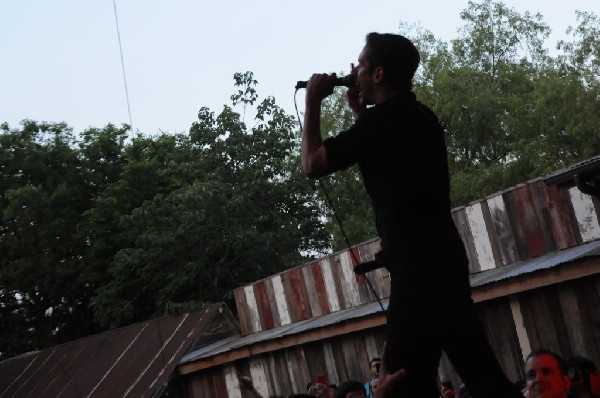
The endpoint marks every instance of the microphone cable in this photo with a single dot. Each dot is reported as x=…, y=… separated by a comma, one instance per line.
x=337, y=218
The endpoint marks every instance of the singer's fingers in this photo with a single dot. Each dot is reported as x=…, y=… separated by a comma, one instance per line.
x=320, y=86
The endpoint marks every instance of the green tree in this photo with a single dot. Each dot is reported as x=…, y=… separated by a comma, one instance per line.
x=511, y=112
x=42, y=195
x=237, y=209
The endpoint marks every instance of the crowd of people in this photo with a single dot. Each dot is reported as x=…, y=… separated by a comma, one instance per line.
x=547, y=375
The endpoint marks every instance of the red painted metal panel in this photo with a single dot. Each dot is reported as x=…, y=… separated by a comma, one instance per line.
x=524, y=205
x=321, y=290
x=300, y=299
x=264, y=308
x=220, y=385
x=355, y=260
x=560, y=219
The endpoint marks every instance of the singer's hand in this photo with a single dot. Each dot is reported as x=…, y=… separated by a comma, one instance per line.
x=320, y=86
x=353, y=96
x=388, y=382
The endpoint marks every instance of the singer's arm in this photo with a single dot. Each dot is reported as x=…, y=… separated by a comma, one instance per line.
x=314, y=155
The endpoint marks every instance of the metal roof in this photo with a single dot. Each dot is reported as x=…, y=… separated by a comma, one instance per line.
x=541, y=263
x=285, y=331
x=134, y=361
x=549, y=260
x=567, y=174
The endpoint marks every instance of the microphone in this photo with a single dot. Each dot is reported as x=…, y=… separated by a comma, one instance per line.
x=369, y=266
x=346, y=81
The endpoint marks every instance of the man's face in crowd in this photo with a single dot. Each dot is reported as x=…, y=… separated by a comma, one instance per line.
x=355, y=394
x=544, y=378
x=580, y=388
x=375, y=365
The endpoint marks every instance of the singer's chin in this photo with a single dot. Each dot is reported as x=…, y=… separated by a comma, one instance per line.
x=365, y=101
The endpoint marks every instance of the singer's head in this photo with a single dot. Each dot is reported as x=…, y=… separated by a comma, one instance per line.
x=390, y=60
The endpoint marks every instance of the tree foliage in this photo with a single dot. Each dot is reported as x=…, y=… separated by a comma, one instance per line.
x=99, y=230
x=511, y=111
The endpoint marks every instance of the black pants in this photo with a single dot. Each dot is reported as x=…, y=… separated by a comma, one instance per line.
x=430, y=312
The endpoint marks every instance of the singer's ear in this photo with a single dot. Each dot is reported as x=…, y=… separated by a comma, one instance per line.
x=378, y=74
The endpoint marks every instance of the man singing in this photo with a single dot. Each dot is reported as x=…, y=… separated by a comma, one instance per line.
x=399, y=147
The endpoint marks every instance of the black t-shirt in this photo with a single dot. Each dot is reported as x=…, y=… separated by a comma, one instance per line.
x=400, y=150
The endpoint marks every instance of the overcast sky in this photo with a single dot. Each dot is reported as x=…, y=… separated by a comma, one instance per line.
x=60, y=59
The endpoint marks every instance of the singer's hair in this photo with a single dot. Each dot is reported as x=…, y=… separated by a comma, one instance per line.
x=396, y=54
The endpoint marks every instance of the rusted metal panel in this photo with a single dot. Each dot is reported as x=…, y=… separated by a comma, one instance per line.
x=586, y=215
x=570, y=307
x=299, y=294
x=330, y=285
x=260, y=378
x=560, y=217
x=496, y=319
x=362, y=358
x=320, y=289
x=502, y=229
x=131, y=361
x=197, y=387
x=522, y=337
x=272, y=300
x=374, y=349
x=337, y=349
x=462, y=224
x=549, y=260
x=311, y=290
x=587, y=292
x=219, y=383
x=252, y=309
x=481, y=239
x=543, y=215
x=315, y=363
x=297, y=368
x=494, y=243
x=367, y=250
x=281, y=376
x=349, y=287
x=240, y=303
x=353, y=363
x=330, y=364
x=364, y=292
x=538, y=314
x=232, y=381
x=264, y=307
x=280, y=299
x=336, y=288
x=528, y=220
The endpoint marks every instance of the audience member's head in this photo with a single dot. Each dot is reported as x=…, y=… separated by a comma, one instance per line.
x=585, y=378
x=546, y=375
x=374, y=365
x=332, y=390
x=351, y=389
x=322, y=386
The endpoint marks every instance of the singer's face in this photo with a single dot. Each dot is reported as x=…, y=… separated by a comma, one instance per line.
x=364, y=78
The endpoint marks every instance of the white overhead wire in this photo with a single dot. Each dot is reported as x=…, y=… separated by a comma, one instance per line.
x=123, y=66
